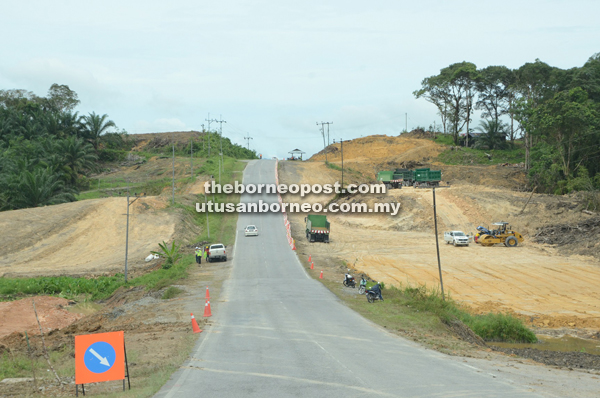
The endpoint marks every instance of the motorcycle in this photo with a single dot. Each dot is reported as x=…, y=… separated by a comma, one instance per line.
x=373, y=295
x=362, y=286
x=349, y=280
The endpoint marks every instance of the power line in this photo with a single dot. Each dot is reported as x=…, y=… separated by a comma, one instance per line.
x=248, y=138
x=323, y=133
x=221, y=139
x=209, y=120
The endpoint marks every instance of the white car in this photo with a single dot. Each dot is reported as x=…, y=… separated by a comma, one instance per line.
x=251, y=230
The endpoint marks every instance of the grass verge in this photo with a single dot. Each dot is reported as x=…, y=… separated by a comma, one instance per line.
x=424, y=312
x=93, y=288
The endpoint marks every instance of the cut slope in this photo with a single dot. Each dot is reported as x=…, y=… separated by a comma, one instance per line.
x=82, y=237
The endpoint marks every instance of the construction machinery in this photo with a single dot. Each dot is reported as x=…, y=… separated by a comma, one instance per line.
x=317, y=228
x=390, y=179
x=500, y=233
x=418, y=178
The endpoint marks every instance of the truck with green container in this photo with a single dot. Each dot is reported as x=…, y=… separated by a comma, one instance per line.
x=424, y=177
x=390, y=179
x=317, y=228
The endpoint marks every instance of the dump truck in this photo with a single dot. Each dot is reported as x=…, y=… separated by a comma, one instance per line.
x=317, y=228
x=390, y=179
x=427, y=178
x=397, y=178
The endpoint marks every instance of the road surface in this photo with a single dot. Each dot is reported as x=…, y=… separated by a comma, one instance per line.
x=279, y=333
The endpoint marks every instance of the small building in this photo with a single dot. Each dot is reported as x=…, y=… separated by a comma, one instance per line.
x=296, y=154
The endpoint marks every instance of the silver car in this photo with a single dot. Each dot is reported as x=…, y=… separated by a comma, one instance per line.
x=251, y=230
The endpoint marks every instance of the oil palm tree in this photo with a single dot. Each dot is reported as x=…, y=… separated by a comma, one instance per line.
x=493, y=134
x=78, y=156
x=41, y=187
x=96, y=125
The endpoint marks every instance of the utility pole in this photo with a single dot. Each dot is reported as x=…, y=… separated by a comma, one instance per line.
x=437, y=245
x=221, y=138
x=207, y=225
x=192, y=158
x=209, y=120
x=127, y=229
x=173, y=173
x=342, y=145
x=248, y=138
x=323, y=133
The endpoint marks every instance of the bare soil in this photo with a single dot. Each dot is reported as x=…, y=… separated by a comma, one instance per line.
x=158, y=333
x=547, y=286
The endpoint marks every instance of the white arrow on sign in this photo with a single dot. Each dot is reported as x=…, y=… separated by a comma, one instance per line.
x=103, y=361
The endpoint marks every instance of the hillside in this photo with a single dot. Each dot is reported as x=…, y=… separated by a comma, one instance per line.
x=368, y=155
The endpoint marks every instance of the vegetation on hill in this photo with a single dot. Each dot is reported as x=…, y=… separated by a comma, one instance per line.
x=48, y=150
x=554, y=112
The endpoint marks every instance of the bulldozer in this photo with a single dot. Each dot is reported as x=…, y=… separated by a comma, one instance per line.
x=501, y=233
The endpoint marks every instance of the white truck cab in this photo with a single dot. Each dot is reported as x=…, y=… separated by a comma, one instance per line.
x=457, y=238
x=217, y=252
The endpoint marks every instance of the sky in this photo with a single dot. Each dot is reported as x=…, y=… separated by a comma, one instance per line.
x=273, y=69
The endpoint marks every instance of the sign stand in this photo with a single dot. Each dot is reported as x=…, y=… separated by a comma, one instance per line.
x=126, y=376
x=127, y=369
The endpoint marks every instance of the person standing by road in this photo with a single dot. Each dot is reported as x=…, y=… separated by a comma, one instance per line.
x=198, y=255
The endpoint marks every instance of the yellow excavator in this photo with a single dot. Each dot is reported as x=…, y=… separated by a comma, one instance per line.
x=500, y=234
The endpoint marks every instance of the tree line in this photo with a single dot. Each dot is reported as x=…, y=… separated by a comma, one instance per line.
x=554, y=112
x=46, y=148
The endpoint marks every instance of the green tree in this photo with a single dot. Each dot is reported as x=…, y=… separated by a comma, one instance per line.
x=41, y=187
x=96, y=125
x=452, y=91
x=494, y=95
x=434, y=89
x=78, y=156
x=567, y=120
x=493, y=134
x=61, y=98
x=534, y=83
x=588, y=78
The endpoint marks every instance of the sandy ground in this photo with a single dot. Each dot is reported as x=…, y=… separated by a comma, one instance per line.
x=536, y=282
x=82, y=237
x=19, y=316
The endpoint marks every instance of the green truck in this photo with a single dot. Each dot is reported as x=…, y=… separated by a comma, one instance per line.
x=317, y=228
x=424, y=177
x=390, y=179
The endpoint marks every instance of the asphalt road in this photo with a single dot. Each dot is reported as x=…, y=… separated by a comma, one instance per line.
x=279, y=333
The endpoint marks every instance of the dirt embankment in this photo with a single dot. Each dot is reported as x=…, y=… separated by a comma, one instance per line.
x=83, y=238
x=547, y=286
x=368, y=155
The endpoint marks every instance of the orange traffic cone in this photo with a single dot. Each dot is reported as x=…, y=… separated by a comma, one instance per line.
x=309, y=258
x=321, y=276
x=207, y=312
x=312, y=265
x=195, y=326
x=207, y=293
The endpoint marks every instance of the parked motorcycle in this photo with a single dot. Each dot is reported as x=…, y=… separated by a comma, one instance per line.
x=362, y=286
x=349, y=280
x=374, y=293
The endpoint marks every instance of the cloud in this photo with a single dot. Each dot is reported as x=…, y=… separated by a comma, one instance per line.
x=38, y=74
x=160, y=126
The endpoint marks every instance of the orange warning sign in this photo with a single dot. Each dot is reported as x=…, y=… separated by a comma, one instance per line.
x=99, y=357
